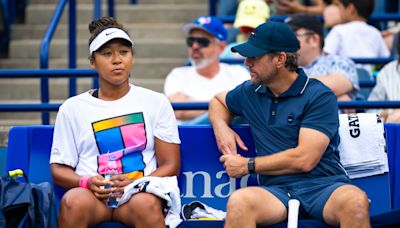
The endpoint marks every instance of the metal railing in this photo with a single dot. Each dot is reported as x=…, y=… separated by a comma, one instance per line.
x=81, y=73
x=45, y=44
x=356, y=60
x=44, y=50
x=195, y=106
x=44, y=75
x=6, y=19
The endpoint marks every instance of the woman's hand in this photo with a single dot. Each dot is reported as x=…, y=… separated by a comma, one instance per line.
x=118, y=183
x=97, y=184
x=103, y=188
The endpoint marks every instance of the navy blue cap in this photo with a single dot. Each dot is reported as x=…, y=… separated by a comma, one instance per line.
x=271, y=36
x=212, y=25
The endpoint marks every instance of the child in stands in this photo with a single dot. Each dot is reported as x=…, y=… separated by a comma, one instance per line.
x=355, y=38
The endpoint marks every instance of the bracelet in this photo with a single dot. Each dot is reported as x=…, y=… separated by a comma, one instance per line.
x=84, y=182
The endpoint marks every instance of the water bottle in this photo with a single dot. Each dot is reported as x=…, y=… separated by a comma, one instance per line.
x=112, y=201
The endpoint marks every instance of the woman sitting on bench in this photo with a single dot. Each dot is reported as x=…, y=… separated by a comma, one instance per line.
x=119, y=131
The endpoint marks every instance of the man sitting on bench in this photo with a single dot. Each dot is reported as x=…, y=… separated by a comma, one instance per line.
x=294, y=121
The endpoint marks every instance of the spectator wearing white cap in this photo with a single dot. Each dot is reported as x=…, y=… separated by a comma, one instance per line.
x=206, y=39
x=118, y=129
x=250, y=14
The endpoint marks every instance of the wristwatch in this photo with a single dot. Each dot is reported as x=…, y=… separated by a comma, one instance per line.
x=251, y=165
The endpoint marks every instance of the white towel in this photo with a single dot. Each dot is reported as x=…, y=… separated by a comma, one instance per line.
x=165, y=188
x=199, y=210
x=362, y=144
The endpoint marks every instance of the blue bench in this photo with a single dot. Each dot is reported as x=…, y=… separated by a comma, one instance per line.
x=202, y=176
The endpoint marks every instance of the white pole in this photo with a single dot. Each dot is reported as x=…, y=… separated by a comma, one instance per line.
x=293, y=214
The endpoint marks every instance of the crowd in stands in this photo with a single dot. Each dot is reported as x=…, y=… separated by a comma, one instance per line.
x=327, y=45
x=335, y=71
x=326, y=48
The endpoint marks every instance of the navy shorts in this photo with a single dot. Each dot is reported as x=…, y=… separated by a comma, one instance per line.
x=312, y=195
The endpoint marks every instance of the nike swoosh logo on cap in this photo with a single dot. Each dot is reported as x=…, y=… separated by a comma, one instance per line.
x=109, y=33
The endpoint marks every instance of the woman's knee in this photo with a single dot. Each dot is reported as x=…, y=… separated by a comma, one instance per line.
x=75, y=201
x=145, y=203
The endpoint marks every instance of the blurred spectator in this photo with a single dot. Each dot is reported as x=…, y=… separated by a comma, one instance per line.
x=206, y=76
x=315, y=7
x=355, y=38
x=227, y=7
x=250, y=14
x=331, y=15
x=387, y=89
x=336, y=72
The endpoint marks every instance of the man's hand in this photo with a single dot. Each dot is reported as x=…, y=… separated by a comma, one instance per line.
x=220, y=117
x=289, y=7
x=184, y=114
x=235, y=165
x=394, y=117
x=179, y=97
x=227, y=139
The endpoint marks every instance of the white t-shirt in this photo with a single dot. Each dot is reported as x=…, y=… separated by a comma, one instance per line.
x=94, y=136
x=356, y=39
x=387, y=85
x=199, y=88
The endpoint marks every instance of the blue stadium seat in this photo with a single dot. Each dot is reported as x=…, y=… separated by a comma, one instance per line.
x=363, y=75
x=202, y=176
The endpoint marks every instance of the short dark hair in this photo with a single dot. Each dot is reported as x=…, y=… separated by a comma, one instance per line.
x=291, y=61
x=311, y=23
x=364, y=7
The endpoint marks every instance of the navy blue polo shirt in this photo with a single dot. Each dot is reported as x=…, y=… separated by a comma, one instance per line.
x=276, y=121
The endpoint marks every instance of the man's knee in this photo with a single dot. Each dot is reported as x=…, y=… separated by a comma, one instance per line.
x=356, y=202
x=347, y=202
x=239, y=200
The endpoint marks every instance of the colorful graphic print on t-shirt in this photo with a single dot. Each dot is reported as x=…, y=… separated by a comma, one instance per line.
x=120, y=141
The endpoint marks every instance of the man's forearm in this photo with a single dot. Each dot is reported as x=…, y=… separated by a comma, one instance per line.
x=218, y=112
x=337, y=82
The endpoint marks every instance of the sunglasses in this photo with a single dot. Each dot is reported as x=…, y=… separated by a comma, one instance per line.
x=202, y=41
